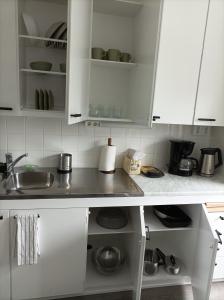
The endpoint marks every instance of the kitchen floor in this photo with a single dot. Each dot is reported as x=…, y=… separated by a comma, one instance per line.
x=168, y=293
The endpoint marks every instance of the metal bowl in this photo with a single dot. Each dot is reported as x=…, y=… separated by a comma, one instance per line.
x=108, y=259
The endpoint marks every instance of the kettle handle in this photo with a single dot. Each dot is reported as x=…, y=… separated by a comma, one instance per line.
x=218, y=150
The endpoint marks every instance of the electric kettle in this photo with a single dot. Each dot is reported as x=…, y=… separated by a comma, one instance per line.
x=208, y=161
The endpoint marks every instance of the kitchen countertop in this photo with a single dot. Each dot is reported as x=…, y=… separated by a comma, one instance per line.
x=90, y=188
x=172, y=185
x=80, y=183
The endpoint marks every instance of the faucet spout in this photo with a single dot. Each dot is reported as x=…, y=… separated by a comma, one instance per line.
x=10, y=163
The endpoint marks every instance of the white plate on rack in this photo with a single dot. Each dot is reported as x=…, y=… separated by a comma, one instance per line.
x=30, y=24
x=53, y=30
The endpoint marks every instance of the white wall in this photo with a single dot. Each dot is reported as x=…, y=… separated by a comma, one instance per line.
x=43, y=139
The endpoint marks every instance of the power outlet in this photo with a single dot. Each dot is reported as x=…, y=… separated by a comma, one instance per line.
x=200, y=130
x=92, y=123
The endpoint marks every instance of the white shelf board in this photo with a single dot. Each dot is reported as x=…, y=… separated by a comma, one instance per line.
x=155, y=225
x=126, y=8
x=43, y=72
x=31, y=112
x=162, y=278
x=113, y=64
x=95, y=229
x=30, y=37
x=109, y=119
x=99, y=283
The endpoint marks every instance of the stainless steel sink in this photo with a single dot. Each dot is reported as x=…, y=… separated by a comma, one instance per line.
x=29, y=181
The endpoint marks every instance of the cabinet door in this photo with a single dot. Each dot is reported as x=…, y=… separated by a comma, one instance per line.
x=210, y=104
x=62, y=263
x=4, y=256
x=9, y=95
x=204, y=259
x=78, y=59
x=179, y=55
x=138, y=250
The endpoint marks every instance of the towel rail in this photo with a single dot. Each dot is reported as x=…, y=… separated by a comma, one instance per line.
x=15, y=217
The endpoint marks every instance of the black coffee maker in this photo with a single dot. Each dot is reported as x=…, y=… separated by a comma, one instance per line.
x=180, y=162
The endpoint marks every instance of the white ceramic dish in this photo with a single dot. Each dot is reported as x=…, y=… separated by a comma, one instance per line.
x=30, y=24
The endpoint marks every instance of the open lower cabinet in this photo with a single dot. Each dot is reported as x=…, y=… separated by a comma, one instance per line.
x=130, y=240
x=194, y=246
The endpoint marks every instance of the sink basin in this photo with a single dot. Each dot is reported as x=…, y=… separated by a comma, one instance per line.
x=29, y=181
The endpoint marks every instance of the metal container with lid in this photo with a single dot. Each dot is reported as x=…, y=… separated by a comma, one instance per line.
x=65, y=163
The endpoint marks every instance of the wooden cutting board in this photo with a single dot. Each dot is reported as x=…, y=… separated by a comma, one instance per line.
x=215, y=206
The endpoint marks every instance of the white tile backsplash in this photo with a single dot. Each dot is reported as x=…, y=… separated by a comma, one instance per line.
x=43, y=139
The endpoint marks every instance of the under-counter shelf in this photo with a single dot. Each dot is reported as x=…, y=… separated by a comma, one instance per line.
x=43, y=72
x=154, y=223
x=113, y=64
x=162, y=278
x=99, y=283
x=95, y=229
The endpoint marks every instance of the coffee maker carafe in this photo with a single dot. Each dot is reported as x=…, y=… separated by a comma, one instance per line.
x=180, y=162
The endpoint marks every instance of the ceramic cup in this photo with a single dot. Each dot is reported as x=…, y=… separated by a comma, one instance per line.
x=114, y=55
x=98, y=53
x=125, y=57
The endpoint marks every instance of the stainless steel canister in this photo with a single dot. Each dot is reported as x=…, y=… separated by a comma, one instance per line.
x=65, y=163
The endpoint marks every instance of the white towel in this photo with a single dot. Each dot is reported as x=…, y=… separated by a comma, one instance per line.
x=27, y=240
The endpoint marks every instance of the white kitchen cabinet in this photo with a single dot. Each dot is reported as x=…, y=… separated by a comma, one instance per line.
x=91, y=89
x=62, y=263
x=195, y=246
x=4, y=256
x=9, y=103
x=78, y=62
x=36, y=44
x=179, y=55
x=210, y=105
x=131, y=241
x=197, y=261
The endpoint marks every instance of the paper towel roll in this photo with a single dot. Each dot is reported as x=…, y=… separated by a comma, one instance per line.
x=107, y=159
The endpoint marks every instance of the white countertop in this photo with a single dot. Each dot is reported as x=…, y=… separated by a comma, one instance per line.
x=172, y=185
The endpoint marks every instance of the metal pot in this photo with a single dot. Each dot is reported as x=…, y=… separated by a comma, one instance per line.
x=151, y=262
x=171, y=263
x=108, y=259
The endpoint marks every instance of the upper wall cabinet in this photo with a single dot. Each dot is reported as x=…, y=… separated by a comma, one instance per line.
x=8, y=58
x=42, y=53
x=179, y=55
x=210, y=100
x=121, y=84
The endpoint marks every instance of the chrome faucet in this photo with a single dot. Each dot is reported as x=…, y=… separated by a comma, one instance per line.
x=10, y=163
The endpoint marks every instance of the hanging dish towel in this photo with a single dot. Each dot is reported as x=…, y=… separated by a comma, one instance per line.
x=27, y=239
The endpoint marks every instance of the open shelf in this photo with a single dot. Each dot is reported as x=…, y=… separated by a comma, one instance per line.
x=154, y=223
x=30, y=37
x=95, y=229
x=126, y=8
x=110, y=119
x=162, y=278
x=43, y=72
x=113, y=64
x=99, y=283
x=29, y=112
